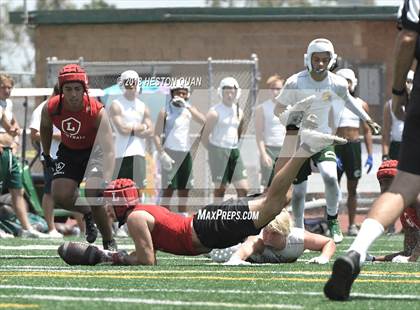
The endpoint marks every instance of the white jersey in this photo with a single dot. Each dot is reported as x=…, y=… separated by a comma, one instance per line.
x=225, y=131
x=331, y=95
x=397, y=126
x=132, y=111
x=7, y=107
x=274, y=131
x=36, y=124
x=177, y=128
x=349, y=119
x=291, y=252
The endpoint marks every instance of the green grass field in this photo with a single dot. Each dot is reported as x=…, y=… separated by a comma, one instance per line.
x=32, y=276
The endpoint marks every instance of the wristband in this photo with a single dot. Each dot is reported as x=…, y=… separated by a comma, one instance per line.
x=399, y=92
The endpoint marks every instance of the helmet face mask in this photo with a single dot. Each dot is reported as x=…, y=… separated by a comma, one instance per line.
x=320, y=45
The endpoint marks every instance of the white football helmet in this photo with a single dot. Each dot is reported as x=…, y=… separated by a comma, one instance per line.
x=318, y=46
x=129, y=77
x=180, y=83
x=229, y=82
x=348, y=74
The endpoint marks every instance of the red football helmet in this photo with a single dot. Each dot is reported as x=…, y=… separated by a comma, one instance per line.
x=123, y=195
x=72, y=73
x=388, y=169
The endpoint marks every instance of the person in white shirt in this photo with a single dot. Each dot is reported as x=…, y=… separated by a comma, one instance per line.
x=173, y=143
x=47, y=201
x=221, y=136
x=269, y=132
x=349, y=156
x=130, y=119
x=393, y=127
x=329, y=93
x=11, y=176
x=280, y=242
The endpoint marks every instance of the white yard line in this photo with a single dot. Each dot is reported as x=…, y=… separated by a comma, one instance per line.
x=198, y=291
x=161, y=302
x=223, y=270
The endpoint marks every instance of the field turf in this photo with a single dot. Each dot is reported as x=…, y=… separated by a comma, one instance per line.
x=32, y=276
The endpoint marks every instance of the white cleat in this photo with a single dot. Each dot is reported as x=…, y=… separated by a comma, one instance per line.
x=5, y=235
x=33, y=234
x=293, y=115
x=54, y=234
x=316, y=141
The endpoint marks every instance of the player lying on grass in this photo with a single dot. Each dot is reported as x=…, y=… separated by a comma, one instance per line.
x=155, y=228
x=410, y=220
x=280, y=242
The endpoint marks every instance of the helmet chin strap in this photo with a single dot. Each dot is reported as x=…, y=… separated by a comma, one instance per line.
x=319, y=70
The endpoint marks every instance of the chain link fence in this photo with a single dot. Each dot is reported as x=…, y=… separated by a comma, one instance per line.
x=205, y=77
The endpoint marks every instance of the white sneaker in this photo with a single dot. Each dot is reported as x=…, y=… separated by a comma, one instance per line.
x=121, y=233
x=5, y=235
x=32, y=233
x=293, y=115
x=316, y=141
x=353, y=230
x=54, y=234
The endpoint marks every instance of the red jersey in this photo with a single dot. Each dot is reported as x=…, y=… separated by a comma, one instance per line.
x=172, y=232
x=78, y=129
x=409, y=219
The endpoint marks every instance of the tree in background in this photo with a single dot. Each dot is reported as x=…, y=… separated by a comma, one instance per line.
x=98, y=5
x=49, y=5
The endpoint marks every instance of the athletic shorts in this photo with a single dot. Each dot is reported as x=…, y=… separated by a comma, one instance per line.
x=11, y=172
x=226, y=165
x=326, y=154
x=350, y=155
x=410, y=146
x=76, y=164
x=267, y=173
x=394, y=150
x=223, y=232
x=132, y=167
x=179, y=176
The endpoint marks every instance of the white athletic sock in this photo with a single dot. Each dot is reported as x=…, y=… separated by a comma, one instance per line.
x=328, y=170
x=298, y=203
x=370, y=230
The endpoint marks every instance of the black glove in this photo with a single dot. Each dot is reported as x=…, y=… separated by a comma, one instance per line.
x=49, y=162
x=385, y=157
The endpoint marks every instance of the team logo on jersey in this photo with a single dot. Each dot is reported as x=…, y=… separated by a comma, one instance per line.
x=326, y=96
x=71, y=126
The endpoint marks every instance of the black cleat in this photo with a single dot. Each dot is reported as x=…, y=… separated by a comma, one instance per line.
x=91, y=231
x=110, y=245
x=346, y=268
